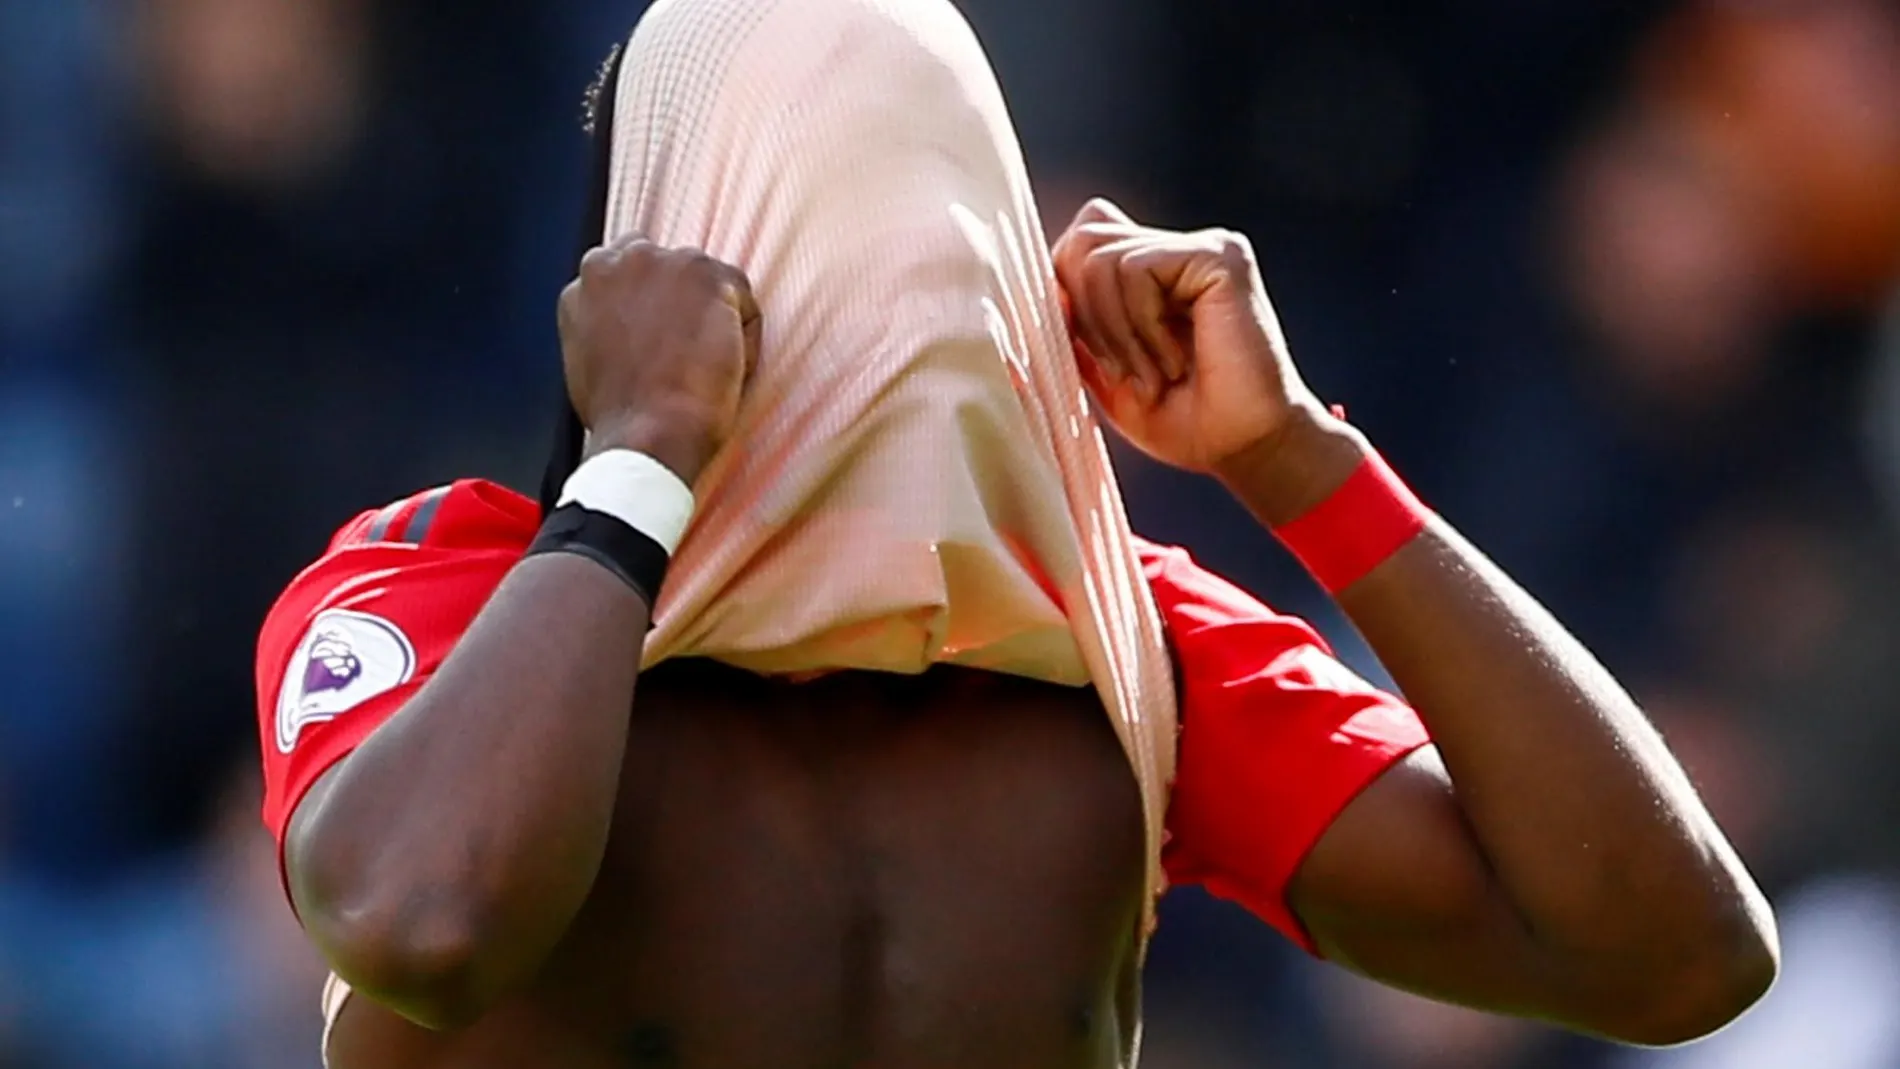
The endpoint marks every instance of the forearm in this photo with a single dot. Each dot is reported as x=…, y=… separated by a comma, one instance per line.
x=1588, y=823
x=453, y=848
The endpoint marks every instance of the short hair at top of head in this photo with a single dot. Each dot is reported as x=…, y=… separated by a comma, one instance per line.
x=598, y=88
x=597, y=119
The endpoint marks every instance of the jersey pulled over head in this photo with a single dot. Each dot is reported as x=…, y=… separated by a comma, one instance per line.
x=916, y=478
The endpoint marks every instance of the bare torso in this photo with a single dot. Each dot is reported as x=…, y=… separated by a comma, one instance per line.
x=944, y=871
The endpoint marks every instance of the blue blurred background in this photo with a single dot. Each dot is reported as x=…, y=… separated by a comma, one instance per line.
x=1606, y=279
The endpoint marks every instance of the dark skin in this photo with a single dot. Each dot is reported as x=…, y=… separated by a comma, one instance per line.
x=534, y=865
x=859, y=870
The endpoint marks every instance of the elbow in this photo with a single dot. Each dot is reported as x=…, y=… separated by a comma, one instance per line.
x=426, y=956
x=418, y=941
x=1708, y=988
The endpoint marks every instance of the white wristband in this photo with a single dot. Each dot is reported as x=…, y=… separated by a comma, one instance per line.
x=635, y=489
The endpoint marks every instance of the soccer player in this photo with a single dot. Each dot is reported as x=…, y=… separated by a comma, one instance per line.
x=824, y=712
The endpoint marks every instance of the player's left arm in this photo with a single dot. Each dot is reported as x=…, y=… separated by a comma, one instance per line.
x=1547, y=857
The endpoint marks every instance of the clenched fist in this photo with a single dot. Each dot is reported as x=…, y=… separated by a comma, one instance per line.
x=1176, y=338
x=658, y=346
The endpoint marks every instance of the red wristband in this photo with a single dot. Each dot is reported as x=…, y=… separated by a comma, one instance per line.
x=1352, y=532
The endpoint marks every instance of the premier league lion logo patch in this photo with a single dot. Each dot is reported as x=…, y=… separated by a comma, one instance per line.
x=345, y=659
x=334, y=664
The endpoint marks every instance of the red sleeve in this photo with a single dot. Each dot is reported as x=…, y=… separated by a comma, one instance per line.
x=364, y=627
x=1277, y=737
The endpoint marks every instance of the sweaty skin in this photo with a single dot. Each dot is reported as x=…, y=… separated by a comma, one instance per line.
x=535, y=865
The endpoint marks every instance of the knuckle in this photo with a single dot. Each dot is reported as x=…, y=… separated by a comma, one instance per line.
x=1081, y=240
x=622, y=256
x=1234, y=246
x=729, y=279
x=707, y=273
x=736, y=280
x=1064, y=254
x=597, y=263
x=1105, y=263
x=636, y=251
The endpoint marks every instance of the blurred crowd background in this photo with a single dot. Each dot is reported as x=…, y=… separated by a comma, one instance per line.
x=1616, y=283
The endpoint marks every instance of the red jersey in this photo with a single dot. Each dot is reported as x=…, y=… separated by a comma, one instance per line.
x=1277, y=736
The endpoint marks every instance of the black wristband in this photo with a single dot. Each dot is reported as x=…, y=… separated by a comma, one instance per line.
x=609, y=541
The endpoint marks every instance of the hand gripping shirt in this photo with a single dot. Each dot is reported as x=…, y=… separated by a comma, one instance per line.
x=1276, y=738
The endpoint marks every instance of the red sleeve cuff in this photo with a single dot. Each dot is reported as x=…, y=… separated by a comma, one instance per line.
x=1243, y=820
x=1277, y=738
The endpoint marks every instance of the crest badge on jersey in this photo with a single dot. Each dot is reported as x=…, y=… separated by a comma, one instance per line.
x=345, y=659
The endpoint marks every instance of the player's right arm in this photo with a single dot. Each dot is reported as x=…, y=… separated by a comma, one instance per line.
x=439, y=863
